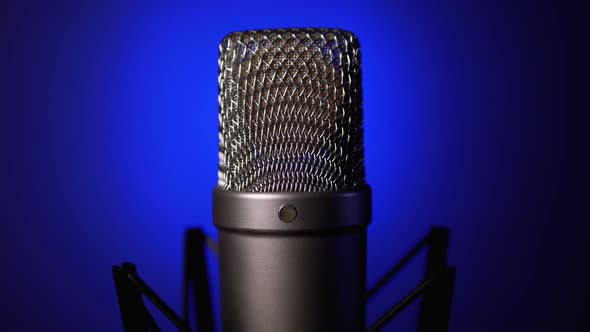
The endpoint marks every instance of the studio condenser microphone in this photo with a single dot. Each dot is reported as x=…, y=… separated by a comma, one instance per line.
x=291, y=204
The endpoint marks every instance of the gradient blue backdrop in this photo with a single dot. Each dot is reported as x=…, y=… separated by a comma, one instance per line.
x=110, y=116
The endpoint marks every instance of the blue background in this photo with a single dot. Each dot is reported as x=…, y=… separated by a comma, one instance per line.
x=109, y=135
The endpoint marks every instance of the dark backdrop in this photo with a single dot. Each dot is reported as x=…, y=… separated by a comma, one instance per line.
x=473, y=121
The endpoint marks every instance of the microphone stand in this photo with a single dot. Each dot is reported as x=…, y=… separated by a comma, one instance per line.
x=134, y=314
x=130, y=289
x=196, y=276
x=436, y=288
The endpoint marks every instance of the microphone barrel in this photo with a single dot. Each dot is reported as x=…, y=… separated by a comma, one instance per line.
x=292, y=261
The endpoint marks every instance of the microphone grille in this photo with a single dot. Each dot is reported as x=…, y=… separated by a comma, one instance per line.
x=290, y=111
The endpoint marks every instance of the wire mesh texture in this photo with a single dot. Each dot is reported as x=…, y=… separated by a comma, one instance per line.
x=290, y=111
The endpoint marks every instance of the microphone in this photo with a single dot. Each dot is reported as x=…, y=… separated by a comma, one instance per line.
x=291, y=204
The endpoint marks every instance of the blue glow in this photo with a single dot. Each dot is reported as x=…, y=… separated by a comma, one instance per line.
x=115, y=118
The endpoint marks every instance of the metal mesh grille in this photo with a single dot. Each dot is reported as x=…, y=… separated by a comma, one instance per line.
x=290, y=111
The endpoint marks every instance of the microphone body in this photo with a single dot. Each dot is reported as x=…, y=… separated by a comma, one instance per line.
x=307, y=274
x=291, y=205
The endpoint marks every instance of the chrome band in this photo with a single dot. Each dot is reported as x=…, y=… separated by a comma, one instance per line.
x=315, y=211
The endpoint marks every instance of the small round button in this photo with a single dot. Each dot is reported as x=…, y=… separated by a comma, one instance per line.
x=287, y=213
